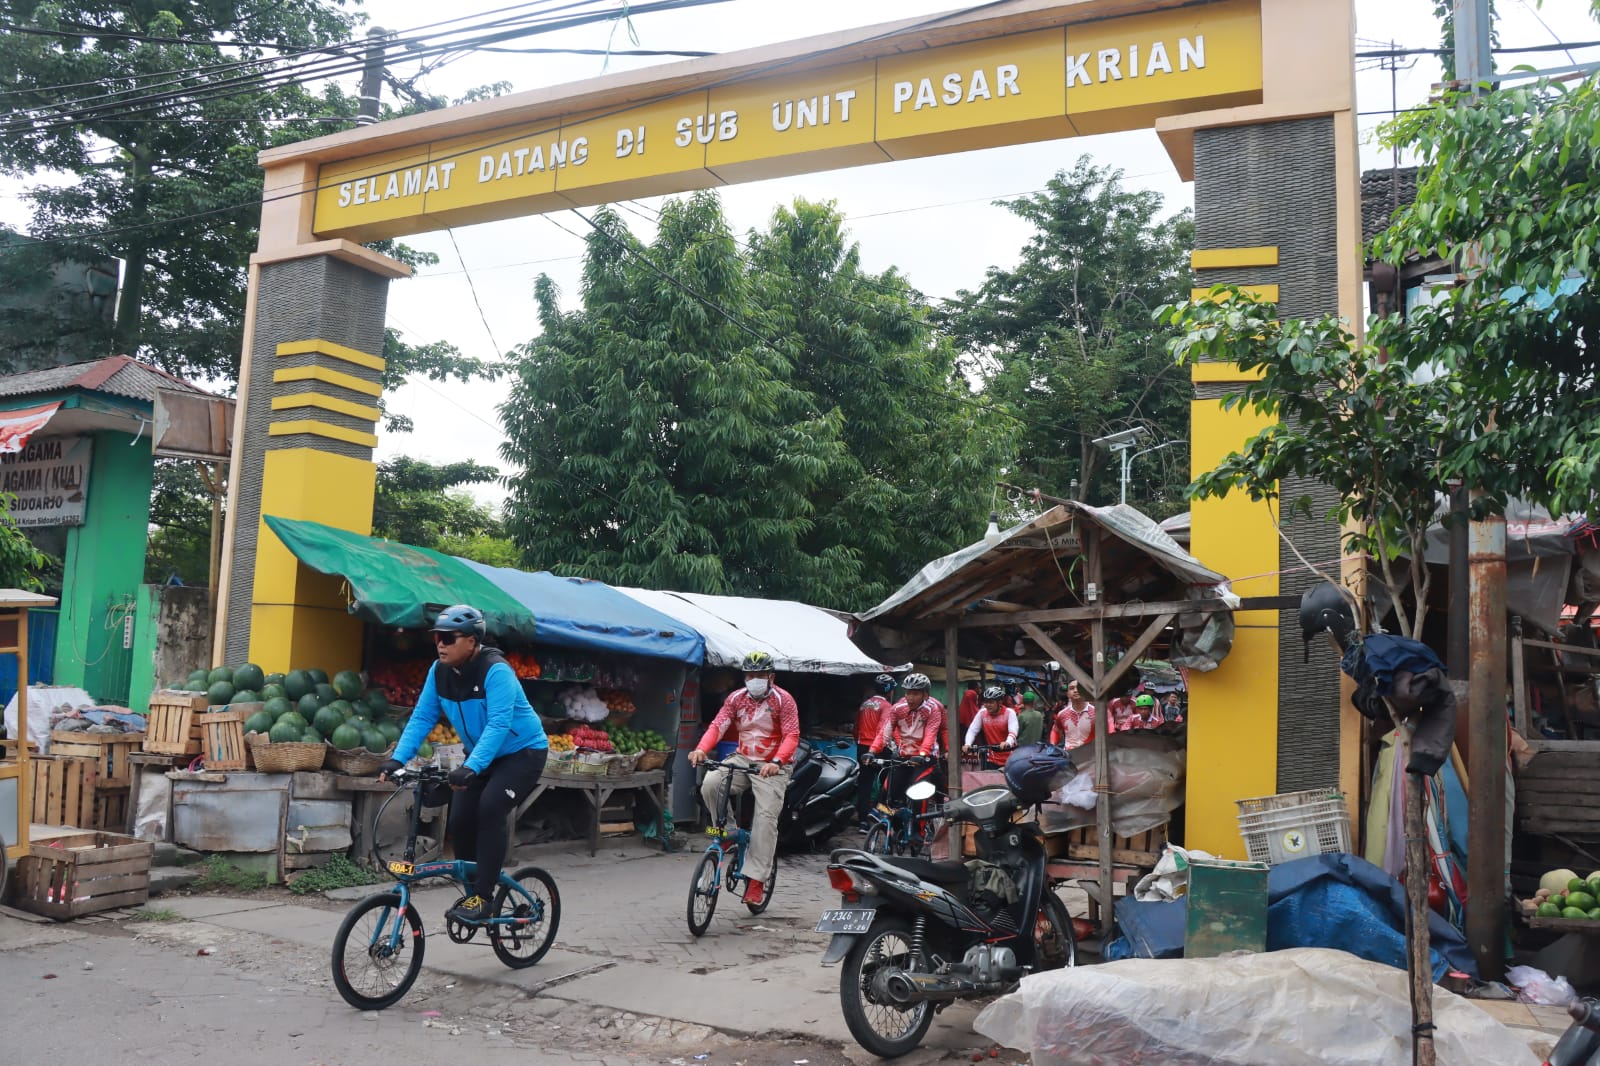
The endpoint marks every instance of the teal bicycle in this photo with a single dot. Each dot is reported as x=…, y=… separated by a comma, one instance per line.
x=728, y=845
x=377, y=952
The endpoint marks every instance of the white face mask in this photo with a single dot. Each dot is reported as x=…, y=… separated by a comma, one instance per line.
x=757, y=687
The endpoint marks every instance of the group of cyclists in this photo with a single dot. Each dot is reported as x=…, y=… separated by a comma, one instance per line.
x=474, y=687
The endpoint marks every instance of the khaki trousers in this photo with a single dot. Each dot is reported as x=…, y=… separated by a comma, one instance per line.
x=769, y=804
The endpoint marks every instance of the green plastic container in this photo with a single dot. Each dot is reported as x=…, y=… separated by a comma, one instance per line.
x=1227, y=908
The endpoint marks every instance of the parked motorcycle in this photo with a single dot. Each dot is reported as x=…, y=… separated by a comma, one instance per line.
x=1580, y=1044
x=820, y=800
x=916, y=935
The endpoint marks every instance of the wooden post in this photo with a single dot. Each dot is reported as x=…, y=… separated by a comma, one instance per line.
x=1519, y=679
x=1486, y=749
x=1102, y=733
x=952, y=727
x=1419, y=964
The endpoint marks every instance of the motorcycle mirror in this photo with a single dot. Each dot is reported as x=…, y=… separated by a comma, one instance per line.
x=920, y=791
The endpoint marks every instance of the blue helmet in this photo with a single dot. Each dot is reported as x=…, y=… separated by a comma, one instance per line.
x=1035, y=771
x=884, y=683
x=462, y=619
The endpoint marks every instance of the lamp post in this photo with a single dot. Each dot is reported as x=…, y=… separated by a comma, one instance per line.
x=1127, y=461
x=1121, y=444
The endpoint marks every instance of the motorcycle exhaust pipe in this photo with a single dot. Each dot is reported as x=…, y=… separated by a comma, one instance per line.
x=906, y=988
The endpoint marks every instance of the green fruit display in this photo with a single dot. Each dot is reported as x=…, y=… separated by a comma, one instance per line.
x=326, y=694
x=348, y=682
x=1582, y=900
x=343, y=707
x=1549, y=910
x=246, y=695
x=327, y=720
x=424, y=751
x=308, y=706
x=390, y=731
x=198, y=677
x=221, y=673
x=310, y=736
x=296, y=721
x=1573, y=912
x=277, y=706
x=283, y=732
x=377, y=699
x=273, y=679
x=260, y=722
x=374, y=741
x=346, y=737
x=361, y=710
x=1577, y=884
x=273, y=691
x=249, y=676
x=318, y=676
x=219, y=692
x=297, y=684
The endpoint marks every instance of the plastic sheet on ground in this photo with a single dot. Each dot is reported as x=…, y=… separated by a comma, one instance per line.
x=1304, y=1007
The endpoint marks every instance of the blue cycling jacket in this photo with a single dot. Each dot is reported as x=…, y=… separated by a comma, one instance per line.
x=485, y=704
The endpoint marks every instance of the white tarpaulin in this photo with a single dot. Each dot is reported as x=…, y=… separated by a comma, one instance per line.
x=800, y=638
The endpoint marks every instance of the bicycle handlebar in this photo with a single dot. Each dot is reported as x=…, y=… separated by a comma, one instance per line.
x=715, y=764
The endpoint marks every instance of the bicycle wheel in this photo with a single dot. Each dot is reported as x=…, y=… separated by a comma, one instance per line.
x=393, y=822
x=537, y=915
x=703, y=892
x=372, y=967
x=877, y=842
x=772, y=883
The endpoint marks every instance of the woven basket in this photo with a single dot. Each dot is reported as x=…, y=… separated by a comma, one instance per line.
x=621, y=765
x=653, y=760
x=285, y=758
x=357, y=762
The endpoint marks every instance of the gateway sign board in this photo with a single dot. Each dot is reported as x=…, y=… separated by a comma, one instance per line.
x=1074, y=80
x=49, y=479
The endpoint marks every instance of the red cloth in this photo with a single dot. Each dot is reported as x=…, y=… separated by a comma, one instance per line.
x=869, y=719
x=769, y=728
x=913, y=732
x=968, y=709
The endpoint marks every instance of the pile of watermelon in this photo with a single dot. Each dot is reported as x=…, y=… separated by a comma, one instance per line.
x=305, y=706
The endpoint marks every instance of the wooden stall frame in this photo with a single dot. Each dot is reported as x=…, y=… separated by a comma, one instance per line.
x=14, y=604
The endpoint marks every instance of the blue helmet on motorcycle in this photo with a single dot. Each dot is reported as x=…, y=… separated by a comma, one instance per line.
x=1035, y=771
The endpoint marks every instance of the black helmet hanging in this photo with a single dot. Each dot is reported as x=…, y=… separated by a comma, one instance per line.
x=1324, y=608
x=1036, y=771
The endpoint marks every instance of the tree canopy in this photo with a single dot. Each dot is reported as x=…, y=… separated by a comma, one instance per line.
x=770, y=420
x=424, y=504
x=1065, y=338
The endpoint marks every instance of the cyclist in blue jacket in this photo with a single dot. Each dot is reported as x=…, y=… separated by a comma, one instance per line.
x=475, y=688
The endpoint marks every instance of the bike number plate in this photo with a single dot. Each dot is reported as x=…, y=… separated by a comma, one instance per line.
x=847, y=920
x=401, y=869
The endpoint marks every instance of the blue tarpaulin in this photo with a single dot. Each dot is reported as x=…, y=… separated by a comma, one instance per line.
x=1326, y=901
x=577, y=613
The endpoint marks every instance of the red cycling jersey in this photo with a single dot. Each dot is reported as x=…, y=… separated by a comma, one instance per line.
x=769, y=728
x=914, y=732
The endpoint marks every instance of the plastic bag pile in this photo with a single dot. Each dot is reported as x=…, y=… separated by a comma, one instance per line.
x=1302, y=1007
x=584, y=704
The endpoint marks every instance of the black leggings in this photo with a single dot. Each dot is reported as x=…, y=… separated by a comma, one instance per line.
x=479, y=812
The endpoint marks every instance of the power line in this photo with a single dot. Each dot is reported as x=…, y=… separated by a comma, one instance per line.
x=1557, y=47
x=1553, y=35
x=474, y=290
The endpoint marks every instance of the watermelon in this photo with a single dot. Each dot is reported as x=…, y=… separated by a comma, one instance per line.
x=345, y=737
x=348, y=682
x=220, y=692
x=326, y=694
x=343, y=707
x=318, y=676
x=327, y=720
x=297, y=684
x=308, y=706
x=310, y=736
x=390, y=731
x=296, y=721
x=272, y=691
x=260, y=722
x=249, y=676
x=283, y=732
x=245, y=695
x=360, y=709
x=377, y=699
x=197, y=677
x=277, y=706
x=273, y=679
x=221, y=673
x=425, y=751
x=374, y=741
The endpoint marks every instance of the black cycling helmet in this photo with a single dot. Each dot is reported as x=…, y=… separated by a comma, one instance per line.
x=916, y=683
x=884, y=683
x=1324, y=608
x=461, y=618
x=1035, y=771
x=757, y=662
x=994, y=692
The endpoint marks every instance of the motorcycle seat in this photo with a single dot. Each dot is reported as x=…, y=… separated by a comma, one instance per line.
x=935, y=873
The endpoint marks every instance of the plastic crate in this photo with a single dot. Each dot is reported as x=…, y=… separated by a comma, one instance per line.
x=1294, y=825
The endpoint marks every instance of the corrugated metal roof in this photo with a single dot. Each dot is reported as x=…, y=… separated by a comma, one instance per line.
x=116, y=375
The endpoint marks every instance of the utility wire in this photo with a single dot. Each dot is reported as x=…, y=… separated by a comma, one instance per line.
x=499, y=351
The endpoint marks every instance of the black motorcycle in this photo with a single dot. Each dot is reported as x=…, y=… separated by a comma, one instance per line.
x=820, y=799
x=916, y=935
x=1580, y=1044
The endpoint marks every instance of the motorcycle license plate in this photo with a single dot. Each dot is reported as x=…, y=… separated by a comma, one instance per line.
x=847, y=920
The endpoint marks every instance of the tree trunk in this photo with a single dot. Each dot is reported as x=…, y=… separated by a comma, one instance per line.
x=130, y=304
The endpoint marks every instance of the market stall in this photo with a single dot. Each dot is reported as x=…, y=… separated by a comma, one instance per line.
x=14, y=774
x=1093, y=589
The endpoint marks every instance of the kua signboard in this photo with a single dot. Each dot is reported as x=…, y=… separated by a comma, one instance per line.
x=49, y=479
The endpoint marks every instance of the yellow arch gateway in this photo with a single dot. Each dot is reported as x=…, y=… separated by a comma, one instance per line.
x=1253, y=101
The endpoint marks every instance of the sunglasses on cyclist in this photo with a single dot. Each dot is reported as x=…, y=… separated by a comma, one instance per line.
x=446, y=639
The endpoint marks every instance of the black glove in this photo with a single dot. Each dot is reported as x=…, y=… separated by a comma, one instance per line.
x=462, y=776
x=389, y=767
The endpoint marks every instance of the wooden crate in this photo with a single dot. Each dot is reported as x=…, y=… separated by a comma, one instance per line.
x=1143, y=849
x=84, y=873
x=63, y=790
x=111, y=809
x=174, y=726
x=222, y=740
x=110, y=750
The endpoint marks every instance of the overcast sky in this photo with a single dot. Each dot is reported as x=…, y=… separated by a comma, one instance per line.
x=933, y=218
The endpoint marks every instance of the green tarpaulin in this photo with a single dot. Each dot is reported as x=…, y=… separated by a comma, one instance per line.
x=397, y=584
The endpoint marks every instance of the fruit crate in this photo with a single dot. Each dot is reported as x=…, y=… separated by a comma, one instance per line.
x=84, y=873
x=1294, y=825
x=108, y=750
x=63, y=790
x=174, y=724
x=222, y=739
